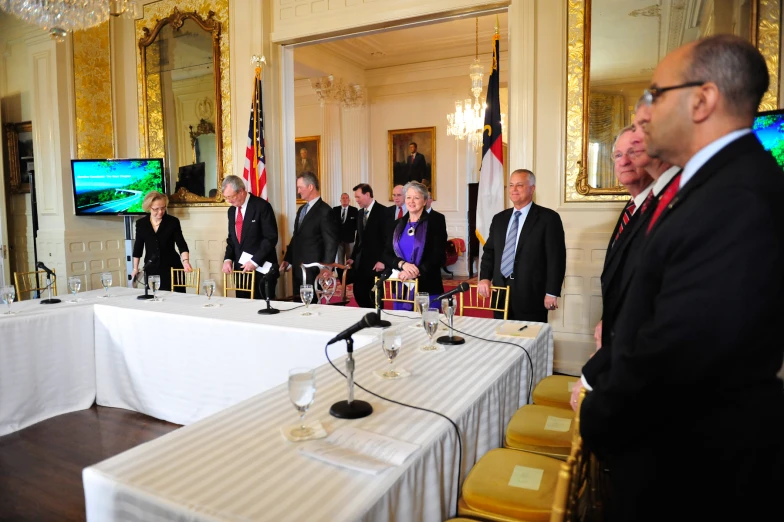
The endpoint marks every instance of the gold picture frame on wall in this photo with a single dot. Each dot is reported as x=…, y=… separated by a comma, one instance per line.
x=405, y=166
x=21, y=163
x=307, y=157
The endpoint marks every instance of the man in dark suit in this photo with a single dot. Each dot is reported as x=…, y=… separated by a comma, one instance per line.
x=525, y=250
x=416, y=166
x=252, y=230
x=346, y=217
x=315, y=238
x=690, y=414
x=398, y=209
x=372, y=236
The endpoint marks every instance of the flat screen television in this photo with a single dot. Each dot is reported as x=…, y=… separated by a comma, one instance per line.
x=114, y=186
x=769, y=128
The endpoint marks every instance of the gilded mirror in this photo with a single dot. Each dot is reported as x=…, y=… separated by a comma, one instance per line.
x=613, y=48
x=181, y=102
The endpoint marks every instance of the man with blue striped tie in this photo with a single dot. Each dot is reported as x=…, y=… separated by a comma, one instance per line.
x=525, y=250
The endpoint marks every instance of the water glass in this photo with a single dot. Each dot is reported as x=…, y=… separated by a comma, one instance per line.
x=209, y=289
x=430, y=320
x=306, y=293
x=391, y=343
x=448, y=307
x=155, y=284
x=421, y=302
x=74, y=285
x=106, y=281
x=302, y=392
x=8, y=295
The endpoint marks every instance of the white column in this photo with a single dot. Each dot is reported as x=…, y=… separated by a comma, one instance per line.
x=331, y=152
x=355, y=131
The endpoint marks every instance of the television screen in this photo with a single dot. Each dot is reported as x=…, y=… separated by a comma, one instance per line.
x=114, y=186
x=769, y=128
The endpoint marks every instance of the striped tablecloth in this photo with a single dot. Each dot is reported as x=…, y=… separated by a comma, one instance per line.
x=235, y=464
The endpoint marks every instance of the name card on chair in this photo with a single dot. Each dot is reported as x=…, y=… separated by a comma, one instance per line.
x=526, y=478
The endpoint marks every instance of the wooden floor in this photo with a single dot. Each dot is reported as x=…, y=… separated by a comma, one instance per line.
x=41, y=466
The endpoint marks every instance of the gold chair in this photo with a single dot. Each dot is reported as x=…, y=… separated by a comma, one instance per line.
x=398, y=291
x=497, y=302
x=546, y=430
x=182, y=279
x=555, y=390
x=239, y=280
x=29, y=282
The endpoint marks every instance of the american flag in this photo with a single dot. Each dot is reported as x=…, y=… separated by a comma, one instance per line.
x=255, y=171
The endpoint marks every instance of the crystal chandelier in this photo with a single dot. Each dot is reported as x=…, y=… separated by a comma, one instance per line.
x=468, y=120
x=60, y=16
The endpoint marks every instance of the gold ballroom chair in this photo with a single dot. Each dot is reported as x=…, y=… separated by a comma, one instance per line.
x=546, y=430
x=497, y=302
x=555, y=390
x=182, y=279
x=396, y=291
x=29, y=282
x=239, y=280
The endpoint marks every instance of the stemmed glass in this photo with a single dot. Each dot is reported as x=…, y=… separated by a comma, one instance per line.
x=209, y=289
x=8, y=295
x=302, y=392
x=74, y=285
x=306, y=293
x=106, y=281
x=449, y=311
x=430, y=322
x=391, y=343
x=421, y=303
x=155, y=283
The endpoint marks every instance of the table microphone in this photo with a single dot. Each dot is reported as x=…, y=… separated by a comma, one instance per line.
x=49, y=274
x=377, y=288
x=351, y=409
x=369, y=320
x=462, y=287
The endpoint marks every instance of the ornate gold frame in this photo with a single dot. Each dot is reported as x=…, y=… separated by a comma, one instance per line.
x=317, y=161
x=215, y=21
x=765, y=34
x=391, y=153
x=12, y=131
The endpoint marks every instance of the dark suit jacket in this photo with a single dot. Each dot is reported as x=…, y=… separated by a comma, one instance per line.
x=347, y=230
x=540, y=259
x=313, y=241
x=159, y=253
x=259, y=233
x=700, y=320
x=433, y=257
x=368, y=250
x=416, y=170
x=392, y=217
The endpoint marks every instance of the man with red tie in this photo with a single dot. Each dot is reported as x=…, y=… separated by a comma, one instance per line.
x=690, y=414
x=252, y=230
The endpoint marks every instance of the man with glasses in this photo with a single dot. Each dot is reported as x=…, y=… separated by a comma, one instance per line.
x=690, y=414
x=253, y=231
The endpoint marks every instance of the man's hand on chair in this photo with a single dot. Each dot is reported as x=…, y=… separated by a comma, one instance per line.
x=483, y=288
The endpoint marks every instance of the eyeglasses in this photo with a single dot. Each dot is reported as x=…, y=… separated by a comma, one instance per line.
x=649, y=96
x=157, y=209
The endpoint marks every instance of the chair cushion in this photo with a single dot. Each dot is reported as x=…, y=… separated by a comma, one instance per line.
x=541, y=429
x=487, y=492
x=555, y=390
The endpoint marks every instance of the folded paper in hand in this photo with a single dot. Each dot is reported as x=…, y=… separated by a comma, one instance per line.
x=396, y=275
x=513, y=330
x=245, y=257
x=359, y=450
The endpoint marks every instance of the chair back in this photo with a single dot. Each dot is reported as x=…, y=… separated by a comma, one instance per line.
x=317, y=286
x=239, y=280
x=182, y=279
x=399, y=291
x=29, y=282
x=497, y=302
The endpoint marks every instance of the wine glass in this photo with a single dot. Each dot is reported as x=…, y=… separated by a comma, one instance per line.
x=8, y=295
x=430, y=321
x=106, y=281
x=209, y=289
x=302, y=392
x=306, y=293
x=421, y=303
x=155, y=283
x=448, y=308
x=74, y=285
x=391, y=343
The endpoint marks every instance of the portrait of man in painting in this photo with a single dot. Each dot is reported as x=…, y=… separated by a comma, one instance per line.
x=412, y=154
x=307, y=151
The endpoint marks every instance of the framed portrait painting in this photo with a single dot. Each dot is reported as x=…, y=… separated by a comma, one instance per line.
x=308, y=157
x=21, y=164
x=412, y=157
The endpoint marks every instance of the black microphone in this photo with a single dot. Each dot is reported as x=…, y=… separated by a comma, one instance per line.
x=43, y=267
x=383, y=276
x=462, y=287
x=368, y=321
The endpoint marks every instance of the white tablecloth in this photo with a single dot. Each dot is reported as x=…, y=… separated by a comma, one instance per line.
x=235, y=465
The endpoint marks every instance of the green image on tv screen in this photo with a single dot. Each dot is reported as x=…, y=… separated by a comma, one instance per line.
x=114, y=186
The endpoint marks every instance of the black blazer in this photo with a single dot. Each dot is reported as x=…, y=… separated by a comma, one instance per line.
x=433, y=257
x=315, y=241
x=159, y=253
x=347, y=230
x=700, y=319
x=371, y=241
x=416, y=170
x=540, y=258
x=259, y=233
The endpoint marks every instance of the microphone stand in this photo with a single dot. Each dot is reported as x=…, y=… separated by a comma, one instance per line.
x=350, y=409
x=146, y=295
x=49, y=300
x=269, y=310
x=382, y=323
x=450, y=339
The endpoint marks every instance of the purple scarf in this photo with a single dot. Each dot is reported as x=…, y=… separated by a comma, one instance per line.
x=420, y=234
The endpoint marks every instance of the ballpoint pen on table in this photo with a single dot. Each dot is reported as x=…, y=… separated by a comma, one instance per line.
x=522, y=328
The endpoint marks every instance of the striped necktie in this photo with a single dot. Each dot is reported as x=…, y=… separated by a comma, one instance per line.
x=302, y=214
x=507, y=259
x=627, y=215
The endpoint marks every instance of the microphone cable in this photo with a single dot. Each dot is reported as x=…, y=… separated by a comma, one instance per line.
x=457, y=430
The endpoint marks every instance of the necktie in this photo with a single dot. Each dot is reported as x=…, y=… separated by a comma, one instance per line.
x=302, y=214
x=665, y=199
x=343, y=215
x=399, y=212
x=507, y=260
x=627, y=215
x=646, y=203
x=238, y=225
x=364, y=217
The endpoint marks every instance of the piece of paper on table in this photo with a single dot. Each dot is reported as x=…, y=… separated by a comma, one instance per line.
x=359, y=450
x=396, y=275
x=526, y=478
x=513, y=330
x=245, y=257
